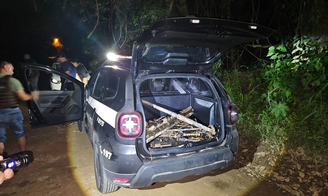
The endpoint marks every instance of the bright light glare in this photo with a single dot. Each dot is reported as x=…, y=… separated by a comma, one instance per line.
x=253, y=27
x=57, y=44
x=195, y=21
x=112, y=57
x=11, y=164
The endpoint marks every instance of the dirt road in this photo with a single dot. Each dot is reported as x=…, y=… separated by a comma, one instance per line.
x=63, y=165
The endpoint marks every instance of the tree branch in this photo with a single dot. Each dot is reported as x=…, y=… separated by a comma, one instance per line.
x=97, y=22
x=35, y=8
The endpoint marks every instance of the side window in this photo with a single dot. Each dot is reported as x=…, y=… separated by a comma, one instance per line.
x=106, y=86
x=56, y=66
x=45, y=80
x=92, y=82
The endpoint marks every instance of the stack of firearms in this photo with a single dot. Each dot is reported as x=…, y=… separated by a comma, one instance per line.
x=176, y=128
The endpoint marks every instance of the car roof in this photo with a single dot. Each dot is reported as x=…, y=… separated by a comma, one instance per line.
x=191, y=43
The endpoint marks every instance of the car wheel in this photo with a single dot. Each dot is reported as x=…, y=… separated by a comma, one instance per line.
x=103, y=184
x=81, y=126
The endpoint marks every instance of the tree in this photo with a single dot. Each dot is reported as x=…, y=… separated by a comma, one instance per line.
x=114, y=24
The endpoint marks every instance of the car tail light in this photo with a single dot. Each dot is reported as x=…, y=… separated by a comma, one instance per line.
x=129, y=124
x=233, y=113
x=121, y=179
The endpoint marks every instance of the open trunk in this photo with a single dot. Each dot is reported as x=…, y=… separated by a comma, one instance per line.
x=179, y=111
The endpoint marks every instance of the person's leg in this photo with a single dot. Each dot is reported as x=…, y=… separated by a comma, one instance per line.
x=17, y=128
x=3, y=128
x=22, y=143
x=2, y=147
x=3, y=131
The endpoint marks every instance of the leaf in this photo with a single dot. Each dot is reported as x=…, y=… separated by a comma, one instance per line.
x=325, y=58
x=288, y=93
x=296, y=61
x=318, y=65
x=279, y=109
x=301, y=174
x=276, y=84
x=296, y=57
x=315, y=82
x=296, y=50
x=282, y=48
x=271, y=51
x=273, y=57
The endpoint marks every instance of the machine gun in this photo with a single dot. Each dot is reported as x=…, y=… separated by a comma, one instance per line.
x=175, y=129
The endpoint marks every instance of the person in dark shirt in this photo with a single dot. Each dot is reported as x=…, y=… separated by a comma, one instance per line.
x=68, y=68
x=82, y=71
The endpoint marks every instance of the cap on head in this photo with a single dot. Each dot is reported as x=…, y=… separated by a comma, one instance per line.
x=60, y=54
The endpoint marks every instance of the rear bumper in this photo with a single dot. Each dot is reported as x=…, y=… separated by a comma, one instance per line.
x=177, y=167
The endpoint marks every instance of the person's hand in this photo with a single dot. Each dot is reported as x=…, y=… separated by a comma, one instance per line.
x=7, y=174
x=35, y=95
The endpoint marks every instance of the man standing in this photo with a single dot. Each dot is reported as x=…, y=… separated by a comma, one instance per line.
x=68, y=68
x=81, y=71
x=10, y=115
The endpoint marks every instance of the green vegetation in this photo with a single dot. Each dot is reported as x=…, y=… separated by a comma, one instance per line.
x=285, y=101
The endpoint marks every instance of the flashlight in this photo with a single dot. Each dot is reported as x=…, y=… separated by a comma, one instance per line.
x=17, y=161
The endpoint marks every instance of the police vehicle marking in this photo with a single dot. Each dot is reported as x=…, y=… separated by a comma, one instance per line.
x=104, y=112
x=105, y=153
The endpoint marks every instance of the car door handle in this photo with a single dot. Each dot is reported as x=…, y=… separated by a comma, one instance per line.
x=58, y=100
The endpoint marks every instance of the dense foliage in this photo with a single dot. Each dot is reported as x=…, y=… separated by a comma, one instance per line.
x=298, y=81
x=285, y=97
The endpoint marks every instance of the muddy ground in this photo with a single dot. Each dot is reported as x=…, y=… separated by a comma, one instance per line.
x=63, y=165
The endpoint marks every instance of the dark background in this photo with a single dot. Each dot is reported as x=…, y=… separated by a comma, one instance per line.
x=25, y=28
x=29, y=26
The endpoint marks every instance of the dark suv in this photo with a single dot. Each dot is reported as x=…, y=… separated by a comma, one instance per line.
x=161, y=115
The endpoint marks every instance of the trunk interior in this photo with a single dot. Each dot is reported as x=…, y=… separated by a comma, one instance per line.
x=179, y=111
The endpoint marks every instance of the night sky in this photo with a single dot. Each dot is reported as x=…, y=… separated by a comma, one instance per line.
x=24, y=29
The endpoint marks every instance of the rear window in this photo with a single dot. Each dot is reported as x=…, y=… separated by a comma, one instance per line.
x=161, y=54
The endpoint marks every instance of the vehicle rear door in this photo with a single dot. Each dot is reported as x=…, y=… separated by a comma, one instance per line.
x=191, y=43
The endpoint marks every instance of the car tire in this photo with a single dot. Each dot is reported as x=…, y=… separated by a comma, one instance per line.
x=81, y=126
x=104, y=185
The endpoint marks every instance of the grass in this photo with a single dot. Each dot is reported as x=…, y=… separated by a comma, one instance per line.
x=304, y=126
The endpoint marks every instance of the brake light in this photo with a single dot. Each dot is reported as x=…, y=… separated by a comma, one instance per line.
x=121, y=179
x=129, y=124
x=233, y=113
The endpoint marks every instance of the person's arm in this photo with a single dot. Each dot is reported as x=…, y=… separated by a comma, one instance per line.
x=85, y=81
x=78, y=77
x=22, y=95
x=7, y=174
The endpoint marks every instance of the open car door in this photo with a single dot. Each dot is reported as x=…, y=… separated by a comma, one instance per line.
x=54, y=106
